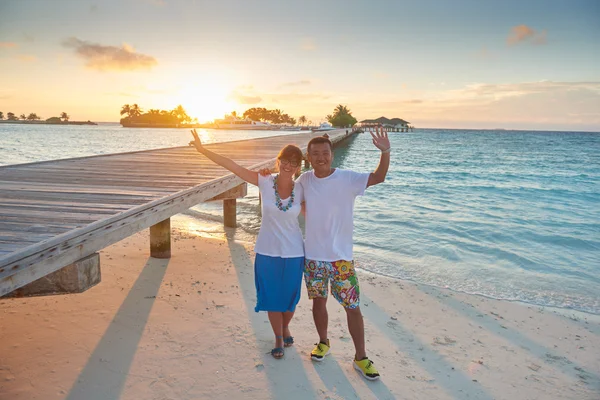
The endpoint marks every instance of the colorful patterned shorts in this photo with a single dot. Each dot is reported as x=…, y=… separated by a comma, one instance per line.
x=344, y=282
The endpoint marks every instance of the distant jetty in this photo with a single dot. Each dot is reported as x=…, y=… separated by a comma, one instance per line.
x=8, y=121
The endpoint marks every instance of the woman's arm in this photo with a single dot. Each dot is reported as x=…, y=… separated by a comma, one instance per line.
x=244, y=173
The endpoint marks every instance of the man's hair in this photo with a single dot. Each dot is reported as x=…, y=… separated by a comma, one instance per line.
x=318, y=140
x=290, y=152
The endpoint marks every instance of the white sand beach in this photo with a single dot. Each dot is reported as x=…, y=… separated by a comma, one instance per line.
x=185, y=328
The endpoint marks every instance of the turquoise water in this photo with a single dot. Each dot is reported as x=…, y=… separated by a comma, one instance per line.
x=506, y=214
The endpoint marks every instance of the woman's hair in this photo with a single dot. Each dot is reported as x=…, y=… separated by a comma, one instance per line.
x=291, y=152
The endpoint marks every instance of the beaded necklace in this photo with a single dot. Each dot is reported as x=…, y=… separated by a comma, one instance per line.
x=278, y=201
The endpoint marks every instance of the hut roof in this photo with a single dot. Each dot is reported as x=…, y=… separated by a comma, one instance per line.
x=386, y=121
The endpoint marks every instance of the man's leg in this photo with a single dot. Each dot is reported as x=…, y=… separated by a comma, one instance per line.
x=356, y=327
x=321, y=317
x=346, y=290
x=316, y=276
x=317, y=280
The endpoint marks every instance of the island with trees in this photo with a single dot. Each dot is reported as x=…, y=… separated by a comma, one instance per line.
x=135, y=117
x=253, y=118
x=33, y=118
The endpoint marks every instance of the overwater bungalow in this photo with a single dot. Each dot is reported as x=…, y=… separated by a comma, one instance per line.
x=391, y=125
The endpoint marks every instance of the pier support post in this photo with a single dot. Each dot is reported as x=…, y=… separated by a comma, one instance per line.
x=229, y=203
x=229, y=213
x=160, y=239
x=74, y=278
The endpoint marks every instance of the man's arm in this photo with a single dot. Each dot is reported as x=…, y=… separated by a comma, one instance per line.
x=382, y=142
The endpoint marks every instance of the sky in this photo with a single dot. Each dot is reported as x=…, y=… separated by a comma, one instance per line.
x=487, y=64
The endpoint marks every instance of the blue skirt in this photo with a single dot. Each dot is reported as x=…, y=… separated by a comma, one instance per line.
x=278, y=282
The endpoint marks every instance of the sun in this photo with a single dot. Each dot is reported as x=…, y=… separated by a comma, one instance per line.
x=205, y=102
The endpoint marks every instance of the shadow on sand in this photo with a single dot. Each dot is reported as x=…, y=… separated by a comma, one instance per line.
x=295, y=378
x=105, y=373
x=452, y=380
x=543, y=353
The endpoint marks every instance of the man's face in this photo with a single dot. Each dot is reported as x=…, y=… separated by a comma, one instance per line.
x=320, y=157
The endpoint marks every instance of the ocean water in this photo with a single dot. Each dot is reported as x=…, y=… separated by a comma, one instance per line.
x=506, y=214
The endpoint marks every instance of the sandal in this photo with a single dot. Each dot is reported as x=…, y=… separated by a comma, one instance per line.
x=277, y=352
x=288, y=341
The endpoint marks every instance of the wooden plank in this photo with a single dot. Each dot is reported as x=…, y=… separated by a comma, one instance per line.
x=26, y=228
x=57, y=207
x=23, y=239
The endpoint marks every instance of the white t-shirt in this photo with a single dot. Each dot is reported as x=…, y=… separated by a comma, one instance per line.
x=329, y=213
x=280, y=234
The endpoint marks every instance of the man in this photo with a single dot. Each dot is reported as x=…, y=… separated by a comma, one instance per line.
x=329, y=194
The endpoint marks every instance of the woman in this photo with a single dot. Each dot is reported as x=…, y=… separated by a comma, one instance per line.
x=279, y=262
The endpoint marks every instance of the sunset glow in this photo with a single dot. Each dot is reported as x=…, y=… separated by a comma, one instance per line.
x=531, y=69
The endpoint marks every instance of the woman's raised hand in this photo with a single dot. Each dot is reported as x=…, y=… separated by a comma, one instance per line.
x=197, y=142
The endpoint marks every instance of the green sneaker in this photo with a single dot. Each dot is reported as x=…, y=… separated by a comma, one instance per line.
x=320, y=351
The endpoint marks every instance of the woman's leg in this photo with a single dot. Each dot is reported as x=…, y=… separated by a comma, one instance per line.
x=276, y=319
x=287, y=317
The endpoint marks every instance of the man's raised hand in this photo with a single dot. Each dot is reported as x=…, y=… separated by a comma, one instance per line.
x=264, y=171
x=381, y=140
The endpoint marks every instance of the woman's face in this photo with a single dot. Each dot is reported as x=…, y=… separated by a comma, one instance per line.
x=289, y=167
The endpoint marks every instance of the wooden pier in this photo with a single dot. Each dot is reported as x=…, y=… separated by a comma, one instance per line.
x=56, y=214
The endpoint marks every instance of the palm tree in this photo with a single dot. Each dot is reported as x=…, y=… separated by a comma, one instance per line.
x=341, y=110
x=33, y=117
x=1, y=115
x=23, y=117
x=11, y=116
x=64, y=116
x=302, y=120
x=181, y=114
x=126, y=109
x=135, y=111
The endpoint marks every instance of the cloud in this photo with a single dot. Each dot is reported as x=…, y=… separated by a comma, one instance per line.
x=241, y=98
x=308, y=44
x=538, y=105
x=105, y=58
x=413, y=101
x=540, y=38
x=27, y=58
x=295, y=97
x=5, y=94
x=381, y=75
x=7, y=45
x=304, y=82
x=483, y=54
x=497, y=91
x=28, y=38
x=523, y=33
